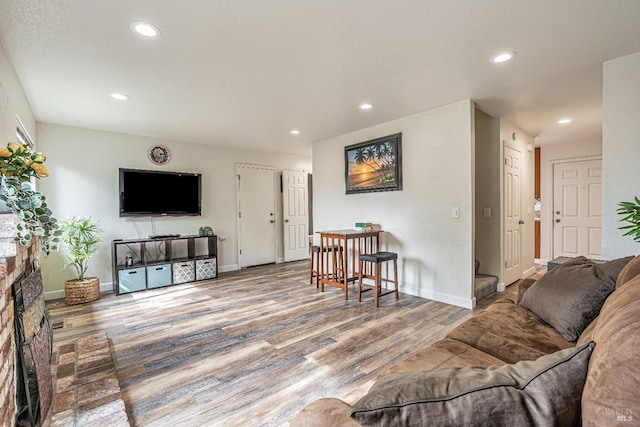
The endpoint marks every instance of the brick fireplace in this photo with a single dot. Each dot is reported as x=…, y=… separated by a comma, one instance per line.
x=15, y=259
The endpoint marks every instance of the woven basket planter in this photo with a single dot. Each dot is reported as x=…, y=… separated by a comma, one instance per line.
x=81, y=291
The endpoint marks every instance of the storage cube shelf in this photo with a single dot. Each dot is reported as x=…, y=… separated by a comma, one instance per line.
x=166, y=261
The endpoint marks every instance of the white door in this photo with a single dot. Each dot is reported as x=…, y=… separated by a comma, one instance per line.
x=512, y=214
x=295, y=215
x=577, y=208
x=256, y=215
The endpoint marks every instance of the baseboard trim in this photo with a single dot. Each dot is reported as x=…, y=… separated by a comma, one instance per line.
x=501, y=287
x=228, y=268
x=440, y=297
x=59, y=294
x=528, y=272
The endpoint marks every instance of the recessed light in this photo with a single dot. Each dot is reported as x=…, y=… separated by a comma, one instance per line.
x=564, y=121
x=145, y=29
x=119, y=96
x=366, y=106
x=294, y=132
x=502, y=57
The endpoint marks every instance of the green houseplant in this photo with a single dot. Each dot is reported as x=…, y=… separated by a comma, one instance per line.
x=80, y=235
x=631, y=212
x=18, y=167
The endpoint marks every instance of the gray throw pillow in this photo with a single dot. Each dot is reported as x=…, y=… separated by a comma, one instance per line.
x=571, y=295
x=542, y=392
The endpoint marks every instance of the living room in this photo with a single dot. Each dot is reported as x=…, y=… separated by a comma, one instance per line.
x=87, y=136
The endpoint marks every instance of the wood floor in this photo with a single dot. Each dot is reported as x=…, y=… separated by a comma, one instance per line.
x=252, y=347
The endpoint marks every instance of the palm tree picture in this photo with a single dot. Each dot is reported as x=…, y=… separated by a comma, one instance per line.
x=374, y=165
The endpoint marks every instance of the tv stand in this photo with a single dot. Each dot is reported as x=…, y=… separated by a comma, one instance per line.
x=162, y=260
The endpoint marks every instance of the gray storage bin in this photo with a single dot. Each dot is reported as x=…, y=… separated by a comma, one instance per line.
x=158, y=275
x=131, y=279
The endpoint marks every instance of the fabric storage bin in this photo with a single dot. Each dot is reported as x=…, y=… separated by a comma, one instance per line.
x=206, y=269
x=184, y=272
x=132, y=279
x=158, y=275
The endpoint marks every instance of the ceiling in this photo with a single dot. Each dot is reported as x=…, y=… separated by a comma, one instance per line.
x=243, y=73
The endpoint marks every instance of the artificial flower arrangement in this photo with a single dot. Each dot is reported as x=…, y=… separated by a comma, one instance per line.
x=19, y=165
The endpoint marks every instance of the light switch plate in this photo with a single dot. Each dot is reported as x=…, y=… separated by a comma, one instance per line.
x=455, y=212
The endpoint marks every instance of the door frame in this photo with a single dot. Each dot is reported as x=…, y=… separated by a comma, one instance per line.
x=302, y=253
x=276, y=210
x=551, y=230
x=517, y=147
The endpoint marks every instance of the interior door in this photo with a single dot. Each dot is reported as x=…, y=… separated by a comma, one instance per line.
x=256, y=215
x=512, y=214
x=577, y=209
x=295, y=215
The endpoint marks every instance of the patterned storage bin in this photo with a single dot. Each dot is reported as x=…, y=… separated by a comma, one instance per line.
x=184, y=272
x=206, y=269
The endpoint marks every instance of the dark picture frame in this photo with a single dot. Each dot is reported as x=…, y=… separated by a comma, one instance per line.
x=374, y=165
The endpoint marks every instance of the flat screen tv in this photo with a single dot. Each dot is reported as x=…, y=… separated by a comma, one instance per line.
x=159, y=193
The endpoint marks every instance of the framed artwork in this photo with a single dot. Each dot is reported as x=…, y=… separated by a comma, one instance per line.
x=159, y=155
x=374, y=165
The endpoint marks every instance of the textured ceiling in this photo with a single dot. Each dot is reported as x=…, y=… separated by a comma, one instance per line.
x=243, y=73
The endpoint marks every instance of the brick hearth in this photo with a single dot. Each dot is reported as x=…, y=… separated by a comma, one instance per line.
x=86, y=388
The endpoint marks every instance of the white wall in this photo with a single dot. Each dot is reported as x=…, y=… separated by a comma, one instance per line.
x=83, y=166
x=620, y=149
x=13, y=103
x=435, y=251
x=549, y=154
x=522, y=142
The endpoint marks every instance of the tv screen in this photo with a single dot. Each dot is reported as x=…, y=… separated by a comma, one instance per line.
x=159, y=193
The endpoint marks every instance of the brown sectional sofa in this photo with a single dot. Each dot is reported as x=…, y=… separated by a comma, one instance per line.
x=506, y=337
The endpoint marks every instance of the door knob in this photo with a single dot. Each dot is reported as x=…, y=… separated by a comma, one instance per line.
x=286, y=220
x=521, y=222
x=272, y=221
x=557, y=212
x=557, y=220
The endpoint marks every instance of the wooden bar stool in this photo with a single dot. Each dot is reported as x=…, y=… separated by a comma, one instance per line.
x=377, y=259
x=314, y=261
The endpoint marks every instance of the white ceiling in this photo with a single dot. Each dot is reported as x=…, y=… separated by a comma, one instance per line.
x=243, y=73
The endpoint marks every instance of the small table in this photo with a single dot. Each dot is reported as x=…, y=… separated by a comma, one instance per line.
x=341, y=254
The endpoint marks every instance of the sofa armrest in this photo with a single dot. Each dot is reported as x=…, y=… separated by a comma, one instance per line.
x=523, y=286
x=328, y=412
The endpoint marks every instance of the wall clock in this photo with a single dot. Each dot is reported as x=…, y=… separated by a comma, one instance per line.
x=159, y=155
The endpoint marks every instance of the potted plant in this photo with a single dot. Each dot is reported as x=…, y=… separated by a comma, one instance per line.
x=631, y=210
x=205, y=231
x=19, y=165
x=80, y=235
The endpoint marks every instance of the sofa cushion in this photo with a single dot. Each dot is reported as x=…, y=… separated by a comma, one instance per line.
x=612, y=391
x=510, y=333
x=445, y=353
x=546, y=391
x=587, y=335
x=328, y=412
x=631, y=270
x=523, y=286
x=570, y=296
